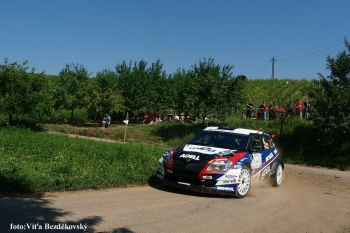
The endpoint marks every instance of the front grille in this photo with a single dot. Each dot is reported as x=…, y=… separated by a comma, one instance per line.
x=191, y=166
x=188, y=172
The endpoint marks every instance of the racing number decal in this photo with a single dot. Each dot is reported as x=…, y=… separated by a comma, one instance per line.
x=256, y=160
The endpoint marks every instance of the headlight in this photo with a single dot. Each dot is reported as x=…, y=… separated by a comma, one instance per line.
x=220, y=165
x=166, y=156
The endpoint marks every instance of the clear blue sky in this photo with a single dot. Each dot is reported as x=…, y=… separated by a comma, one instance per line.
x=245, y=34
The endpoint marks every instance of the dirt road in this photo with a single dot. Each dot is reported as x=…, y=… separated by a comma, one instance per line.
x=309, y=200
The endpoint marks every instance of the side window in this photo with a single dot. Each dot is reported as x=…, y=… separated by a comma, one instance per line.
x=255, y=142
x=267, y=143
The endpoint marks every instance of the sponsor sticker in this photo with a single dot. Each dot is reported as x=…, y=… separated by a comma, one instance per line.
x=256, y=160
x=209, y=149
x=189, y=156
x=269, y=157
x=265, y=172
x=188, y=184
x=225, y=188
x=229, y=181
x=206, y=177
x=226, y=152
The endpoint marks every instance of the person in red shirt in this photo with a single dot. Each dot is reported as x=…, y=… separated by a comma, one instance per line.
x=298, y=109
x=263, y=110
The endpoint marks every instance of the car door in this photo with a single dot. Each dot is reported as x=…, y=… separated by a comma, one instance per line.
x=255, y=148
x=261, y=151
x=267, y=149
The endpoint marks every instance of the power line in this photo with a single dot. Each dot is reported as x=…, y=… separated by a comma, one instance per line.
x=309, y=56
x=262, y=69
x=317, y=47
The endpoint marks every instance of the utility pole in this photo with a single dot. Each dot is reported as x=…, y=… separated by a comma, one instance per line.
x=273, y=67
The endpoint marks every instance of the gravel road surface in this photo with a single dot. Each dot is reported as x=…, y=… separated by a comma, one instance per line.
x=309, y=200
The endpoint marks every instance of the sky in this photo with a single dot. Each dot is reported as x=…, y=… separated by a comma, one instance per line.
x=298, y=34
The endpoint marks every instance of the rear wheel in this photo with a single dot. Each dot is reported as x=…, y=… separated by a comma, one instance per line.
x=276, y=179
x=244, y=182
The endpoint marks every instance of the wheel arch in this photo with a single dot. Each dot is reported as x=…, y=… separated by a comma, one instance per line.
x=275, y=163
x=248, y=165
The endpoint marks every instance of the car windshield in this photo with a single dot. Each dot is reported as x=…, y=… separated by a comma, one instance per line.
x=221, y=139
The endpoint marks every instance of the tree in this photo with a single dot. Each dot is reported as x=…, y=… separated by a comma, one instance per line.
x=217, y=90
x=332, y=97
x=156, y=87
x=129, y=81
x=104, y=95
x=27, y=95
x=73, y=80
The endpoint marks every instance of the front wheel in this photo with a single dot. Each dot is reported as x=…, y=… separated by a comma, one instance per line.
x=244, y=182
x=276, y=179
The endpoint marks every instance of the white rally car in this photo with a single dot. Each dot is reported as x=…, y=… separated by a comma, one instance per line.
x=223, y=160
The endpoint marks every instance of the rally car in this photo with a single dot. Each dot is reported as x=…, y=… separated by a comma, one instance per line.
x=222, y=160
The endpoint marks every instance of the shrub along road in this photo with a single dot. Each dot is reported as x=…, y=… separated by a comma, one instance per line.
x=309, y=200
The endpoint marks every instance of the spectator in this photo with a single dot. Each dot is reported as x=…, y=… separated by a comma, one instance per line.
x=175, y=117
x=106, y=121
x=290, y=108
x=263, y=110
x=155, y=120
x=222, y=117
x=194, y=119
x=203, y=120
x=270, y=110
x=182, y=118
x=306, y=107
x=160, y=117
x=273, y=111
x=250, y=109
x=298, y=109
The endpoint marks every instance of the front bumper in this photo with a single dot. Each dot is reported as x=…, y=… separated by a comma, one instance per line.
x=222, y=190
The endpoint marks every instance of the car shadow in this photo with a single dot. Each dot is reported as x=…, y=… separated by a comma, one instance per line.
x=161, y=187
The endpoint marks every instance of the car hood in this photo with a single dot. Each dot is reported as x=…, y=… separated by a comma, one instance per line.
x=200, y=153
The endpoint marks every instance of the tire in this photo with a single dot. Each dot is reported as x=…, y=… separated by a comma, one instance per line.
x=244, y=182
x=276, y=179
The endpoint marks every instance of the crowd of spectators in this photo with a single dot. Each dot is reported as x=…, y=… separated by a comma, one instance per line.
x=263, y=111
x=270, y=112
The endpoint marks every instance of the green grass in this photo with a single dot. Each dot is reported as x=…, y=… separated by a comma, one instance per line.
x=38, y=162
x=299, y=143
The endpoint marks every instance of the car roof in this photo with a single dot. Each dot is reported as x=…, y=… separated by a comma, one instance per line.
x=233, y=130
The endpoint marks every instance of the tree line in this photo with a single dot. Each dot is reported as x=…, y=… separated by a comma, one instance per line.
x=205, y=88
x=136, y=86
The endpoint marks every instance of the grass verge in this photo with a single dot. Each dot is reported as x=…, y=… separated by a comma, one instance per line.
x=40, y=162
